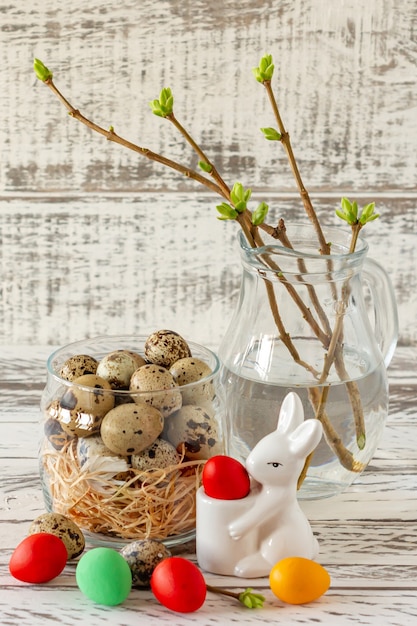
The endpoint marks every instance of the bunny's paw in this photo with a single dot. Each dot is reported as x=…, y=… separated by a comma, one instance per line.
x=252, y=566
x=235, y=531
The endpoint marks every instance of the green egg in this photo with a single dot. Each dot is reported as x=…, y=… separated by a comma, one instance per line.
x=104, y=576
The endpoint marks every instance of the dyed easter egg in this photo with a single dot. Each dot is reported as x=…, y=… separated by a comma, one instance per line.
x=38, y=558
x=104, y=576
x=178, y=584
x=225, y=478
x=297, y=580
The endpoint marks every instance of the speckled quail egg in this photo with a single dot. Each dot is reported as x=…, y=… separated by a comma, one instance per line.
x=62, y=527
x=77, y=366
x=159, y=387
x=158, y=455
x=130, y=428
x=53, y=430
x=117, y=367
x=84, y=404
x=142, y=557
x=195, y=428
x=191, y=370
x=164, y=347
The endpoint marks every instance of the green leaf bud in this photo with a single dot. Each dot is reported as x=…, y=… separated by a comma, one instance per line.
x=265, y=62
x=41, y=70
x=271, y=134
x=226, y=211
x=240, y=206
x=206, y=167
x=341, y=215
x=361, y=441
x=164, y=105
x=346, y=205
x=258, y=216
x=349, y=211
x=265, y=70
x=240, y=196
x=251, y=600
x=156, y=108
x=368, y=214
x=368, y=209
x=237, y=193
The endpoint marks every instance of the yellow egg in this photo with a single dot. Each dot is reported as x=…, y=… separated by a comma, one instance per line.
x=296, y=580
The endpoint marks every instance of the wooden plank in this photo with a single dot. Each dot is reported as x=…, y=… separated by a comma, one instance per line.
x=93, y=265
x=347, y=607
x=343, y=81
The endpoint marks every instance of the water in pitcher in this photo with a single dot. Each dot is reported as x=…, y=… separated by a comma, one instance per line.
x=253, y=407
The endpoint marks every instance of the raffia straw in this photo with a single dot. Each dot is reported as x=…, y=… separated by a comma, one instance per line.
x=156, y=504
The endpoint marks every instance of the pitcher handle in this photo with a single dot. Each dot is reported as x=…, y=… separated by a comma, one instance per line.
x=383, y=312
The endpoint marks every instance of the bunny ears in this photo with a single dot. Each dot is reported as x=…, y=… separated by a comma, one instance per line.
x=303, y=436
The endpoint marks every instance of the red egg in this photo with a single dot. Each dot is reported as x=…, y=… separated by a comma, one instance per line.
x=178, y=584
x=38, y=558
x=225, y=478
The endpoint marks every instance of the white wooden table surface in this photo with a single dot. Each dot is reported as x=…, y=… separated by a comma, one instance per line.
x=368, y=536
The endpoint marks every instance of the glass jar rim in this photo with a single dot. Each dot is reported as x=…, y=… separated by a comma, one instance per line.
x=71, y=350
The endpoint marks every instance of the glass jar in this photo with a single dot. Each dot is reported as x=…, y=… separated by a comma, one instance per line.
x=324, y=327
x=121, y=460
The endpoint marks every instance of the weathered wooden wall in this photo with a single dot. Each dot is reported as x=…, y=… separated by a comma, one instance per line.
x=95, y=239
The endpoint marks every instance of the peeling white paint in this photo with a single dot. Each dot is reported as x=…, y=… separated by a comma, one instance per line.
x=73, y=260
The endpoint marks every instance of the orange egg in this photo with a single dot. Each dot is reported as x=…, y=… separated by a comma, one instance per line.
x=296, y=580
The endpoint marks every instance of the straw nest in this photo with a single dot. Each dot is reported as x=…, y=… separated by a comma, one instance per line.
x=153, y=504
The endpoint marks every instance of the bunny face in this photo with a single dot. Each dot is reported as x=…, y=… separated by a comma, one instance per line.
x=278, y=458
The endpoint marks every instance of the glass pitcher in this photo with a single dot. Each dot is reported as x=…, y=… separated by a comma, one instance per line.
x=323, y=326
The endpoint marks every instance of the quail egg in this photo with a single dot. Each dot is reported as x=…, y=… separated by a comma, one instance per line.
x=196, y=429
x=77, y=366
x=161, y=390
x=53, y=430
x=158, y=455
x=142, y=557
x=191, y=370
x=164, y=347
x=130, y=428
x=62, y=527
x=117, y=367
x=83, y=406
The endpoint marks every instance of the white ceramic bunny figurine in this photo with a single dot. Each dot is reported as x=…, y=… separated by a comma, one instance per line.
x=246, y=537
